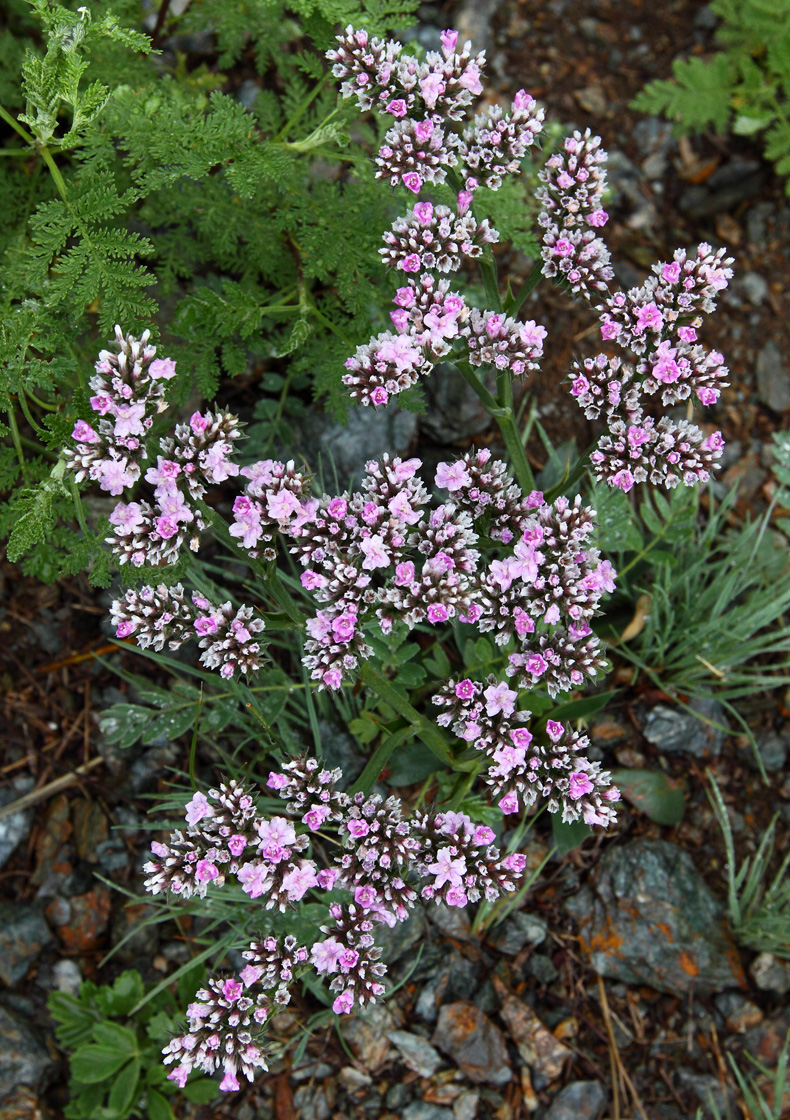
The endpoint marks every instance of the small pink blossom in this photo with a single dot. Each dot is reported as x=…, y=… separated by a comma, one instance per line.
x=412, y=182
x=509, y=803
x=397, y=107
x=162, y=369
x=205, y=871
x=198, y=808
x=452, y=476
x=449, y=39
x=344, y=1002
x=579, y=785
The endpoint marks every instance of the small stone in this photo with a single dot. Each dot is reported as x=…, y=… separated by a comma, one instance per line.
x=421, y=1110
x=397, y=1095
x=311, y=1103
x=518, y=930
x=311, y=1071
x=15, y=827
x=773, y=379
x=66, y=976
x=765, y=1041
x=593, y=100
x=771, y=974
x=465, y=1106
x=456, y=979
x=354, y=1080
x=399, y=940
x=23, y=1059
x=677, y=731
x=452, y=921
x=581, y=1100
x=542, y=968
x=541, y=1051
x=82, y=924
x=755, y=287
x=648, y=917
x=248, y=93
x=416, y=1052
x=90, y=828
x=473, y=1042
x=705, y=1086
x=773, y=751
x=23, y=934
x=739, y=1014
x=367, y=1033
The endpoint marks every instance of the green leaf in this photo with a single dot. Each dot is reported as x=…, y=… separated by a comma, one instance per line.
x=568, y=836
x=159, y=1107
x=75, y=1019
x=585, y=706
x=123, y=1094
x=113, y=1035
x=616, y=526
x=700, y=94
x=202, y=1091
x=658, y=796
x=124, y=723
x=92, y=1064
x=169, y=724
x=412, y=762
x=125, y=993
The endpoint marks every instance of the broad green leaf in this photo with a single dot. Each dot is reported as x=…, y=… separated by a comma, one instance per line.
x=92, y=1064
x=568, y=836
x=158, y=1107
x=125, y=993
x=202, y=1091
x=658, y=796
x=412, y=762
x=122, y=1039
x=585, y=706
x=125, y=1087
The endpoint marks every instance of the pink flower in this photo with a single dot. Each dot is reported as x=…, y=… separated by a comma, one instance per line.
x=554, y=730
x=707, y=395
x=610, y=329
x=366, y=896
x=456, y=896
x=509, y=803
x=521, y=737
x=465, y=689
x=332, y=678
x=423, y=211
x=464, y=202
x=325, y=955
x=624, y=480
x=449, y=39
x=437, y=612
x=166, y=527
x=412, y=182
x=344, y=1002
x=579, y=785
x=432, y=87
x=404, y=573
x=205, y=871
x=671, y=272
x=125, y=628
x=375, y=552
x=298, y=881
x=714, y=442
x=276, y=836
x=397, y=107
x=129, y=420
x=522, y=100
x=379, y=396
x=277, y=781
x=327, y=878
x=648, y=317
x=205, y=624
x=447, y=869
x=500, y=698
x=198, y=423
x=452, y=476
x=254, y=879
x=198, y=808
x=598, y=218
x=358, y=827
x=483, y=835
x=470, y=79
x=231, y=990
x=102, y=403
x=404, y=297
x=251, y=974
x=563, y=248
x=515, y=862
x=84, y=433
x=411, y=263
x=162, y=369
x=687, y=334
x=229, y=1083
x=343, y=628
x=535, y=665
x=237, y=844
x=315, y=817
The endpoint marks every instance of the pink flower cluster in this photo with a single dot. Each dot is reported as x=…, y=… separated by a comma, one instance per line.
x=658, y=321
x=433, y=237
x=380, y=555
x=425, y=99
x=163, y=616
x=128, y=391
x=522, y=767
x=129, y=388
x=574, y=181
x=380, y=854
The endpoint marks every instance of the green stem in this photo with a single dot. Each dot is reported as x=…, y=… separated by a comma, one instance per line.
x=37, y=449
x=330, y=325
x=54, y=171
x=78, y=507
x=513, y=304
x=488, y=272
x=16, y=126
x=379, y=759
x=427, y=731
x=301, y=109
x=463, y=784
x=504, y=414
x=42, y=404
x=28, y=415
x=17, y=441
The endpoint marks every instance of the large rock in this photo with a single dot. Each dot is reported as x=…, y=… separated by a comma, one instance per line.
x=23, y=934
x=647, y=917
x=23, y=1060
x=679, y=731
x=473, y=1042
x=581, y=1100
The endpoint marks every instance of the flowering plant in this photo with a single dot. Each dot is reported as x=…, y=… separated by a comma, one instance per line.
x=487, y=551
